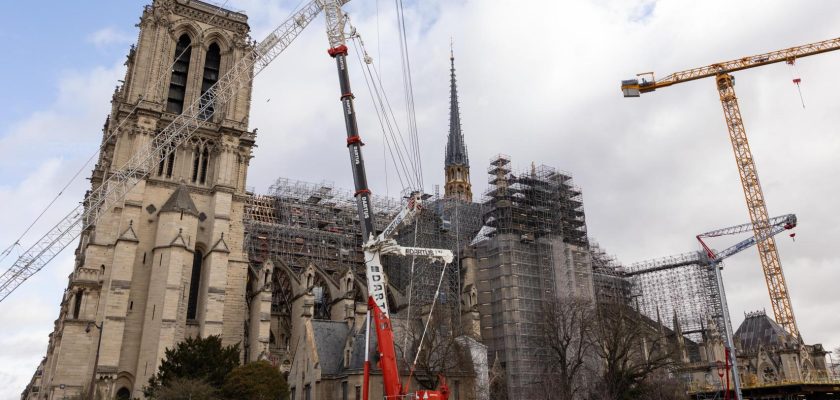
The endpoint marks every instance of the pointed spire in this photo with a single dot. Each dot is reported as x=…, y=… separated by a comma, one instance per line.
x=456, y=150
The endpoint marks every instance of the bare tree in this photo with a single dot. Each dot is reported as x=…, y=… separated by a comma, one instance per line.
x=661, y=385
x=439, y=354
x=566, y=338
x=632, y=349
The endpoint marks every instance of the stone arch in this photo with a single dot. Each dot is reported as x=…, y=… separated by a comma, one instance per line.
x=122, y=385
x=218, y=36
x=807, y=370
x=297, y=283
x=196, y=272
x=348, y=283
x=323, y=298
x=186, y=27
x=282, y=297
x=315, y=272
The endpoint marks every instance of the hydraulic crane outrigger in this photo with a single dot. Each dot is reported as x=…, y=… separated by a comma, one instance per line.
x=376, y=245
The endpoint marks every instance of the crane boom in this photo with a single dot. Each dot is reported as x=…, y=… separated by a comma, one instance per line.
x=115, y=187
x=708, y=256
x=777, y=225
x=753, y=194
x=376, y=245
x=708, y=71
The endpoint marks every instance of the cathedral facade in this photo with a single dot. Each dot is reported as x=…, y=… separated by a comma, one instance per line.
x=167, y=263
x=189, y=253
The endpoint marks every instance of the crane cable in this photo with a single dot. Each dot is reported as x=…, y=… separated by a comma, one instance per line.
x=411, y=160
x=410, y=290
x=408, y=92
x=794, y=75
x=426, y=326
x=394, y=139
x=98, y=151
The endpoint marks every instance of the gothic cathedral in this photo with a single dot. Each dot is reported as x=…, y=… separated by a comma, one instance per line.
x=168, y=262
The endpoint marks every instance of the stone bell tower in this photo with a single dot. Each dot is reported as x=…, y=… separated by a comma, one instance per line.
x=167, y=263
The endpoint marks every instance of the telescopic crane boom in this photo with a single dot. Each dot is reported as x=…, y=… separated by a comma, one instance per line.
x=376, y=245
x=769, y=255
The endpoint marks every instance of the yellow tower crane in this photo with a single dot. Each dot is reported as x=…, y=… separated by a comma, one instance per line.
x=776, y=285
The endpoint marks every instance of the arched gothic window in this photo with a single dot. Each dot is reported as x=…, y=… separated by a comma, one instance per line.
x=166, y=165
x=323, y=300
x=201, y=159
x=123, y=394
x=178, y=81
x=281, y=305
x=195, y=283
x=211, y=75
x=77, y=304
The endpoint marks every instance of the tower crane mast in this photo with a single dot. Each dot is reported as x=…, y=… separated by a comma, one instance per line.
x=754, y=196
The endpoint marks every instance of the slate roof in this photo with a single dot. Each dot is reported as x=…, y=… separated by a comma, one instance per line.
x=357, y=358
x=759, y=330
x=330, y=337
x=180, y=201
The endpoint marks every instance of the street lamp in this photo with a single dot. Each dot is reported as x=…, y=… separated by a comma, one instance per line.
x=96, y=360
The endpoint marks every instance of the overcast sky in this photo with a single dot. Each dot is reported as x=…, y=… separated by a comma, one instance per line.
x=538, y=80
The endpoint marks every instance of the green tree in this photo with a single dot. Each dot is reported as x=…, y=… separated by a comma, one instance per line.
x=195, y=358
x=256, y=381
x=186, y=389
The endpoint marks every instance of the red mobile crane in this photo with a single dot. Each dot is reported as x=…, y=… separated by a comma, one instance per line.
x=376, y=245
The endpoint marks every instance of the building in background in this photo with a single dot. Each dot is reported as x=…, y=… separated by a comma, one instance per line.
x=772, y=364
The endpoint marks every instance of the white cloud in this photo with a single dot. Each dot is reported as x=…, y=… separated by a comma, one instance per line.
x=108, y=36
x=39, y=154
x=539, y=82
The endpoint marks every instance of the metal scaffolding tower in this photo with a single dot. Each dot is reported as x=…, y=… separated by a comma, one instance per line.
x=532, y=249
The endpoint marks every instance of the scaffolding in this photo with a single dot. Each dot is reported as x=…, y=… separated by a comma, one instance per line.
x=681, y=288
x=532, y=249
x=609, y=279
x=302, y=223
x=444, y=223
